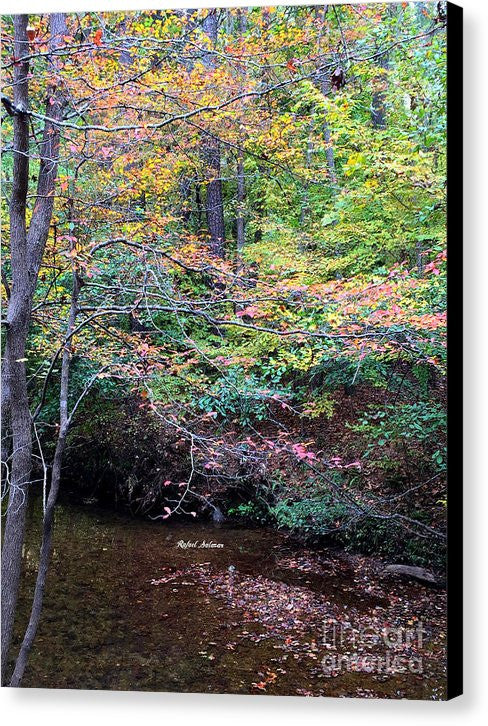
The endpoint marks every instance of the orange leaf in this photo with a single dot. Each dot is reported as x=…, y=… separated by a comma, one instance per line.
x=98, y=37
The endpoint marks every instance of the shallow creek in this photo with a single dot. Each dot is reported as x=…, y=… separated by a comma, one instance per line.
x=139, y=605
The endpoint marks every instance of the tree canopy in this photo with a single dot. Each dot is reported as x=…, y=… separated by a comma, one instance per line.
x=232, y=226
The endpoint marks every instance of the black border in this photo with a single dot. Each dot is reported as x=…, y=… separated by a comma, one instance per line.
x=454, y=358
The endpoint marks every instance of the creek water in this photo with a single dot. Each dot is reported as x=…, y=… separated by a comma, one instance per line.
x=139, y=605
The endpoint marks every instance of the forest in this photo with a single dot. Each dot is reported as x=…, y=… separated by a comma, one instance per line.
x=224, y=298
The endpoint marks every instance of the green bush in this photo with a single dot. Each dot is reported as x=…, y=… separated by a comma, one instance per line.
x=239, y=395
x=423, y=422
x=311, y=517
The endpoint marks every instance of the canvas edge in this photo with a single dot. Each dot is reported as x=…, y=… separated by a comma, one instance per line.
x=455, y=339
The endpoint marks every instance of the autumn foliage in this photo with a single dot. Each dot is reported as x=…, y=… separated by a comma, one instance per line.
x=294, y=375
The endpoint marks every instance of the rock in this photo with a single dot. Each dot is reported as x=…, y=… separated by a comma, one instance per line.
x=415, y=573
x=217, y=516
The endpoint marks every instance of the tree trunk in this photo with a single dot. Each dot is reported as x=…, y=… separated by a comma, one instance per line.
x=325, y=88
x=47, y=532
x=15, y=406
x=241, y=184
x=241, y=199
x=378, y=107
x=26, y=251
x=329, y=150
x=378, y=103
x=211, y=155
x=185, y=189
x=214, y=205
x=305, y=207
x=199, y=206
x=260, y=206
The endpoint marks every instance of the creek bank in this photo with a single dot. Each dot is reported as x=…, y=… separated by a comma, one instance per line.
x=216, y=517
x=375, y=568
x=132, y=462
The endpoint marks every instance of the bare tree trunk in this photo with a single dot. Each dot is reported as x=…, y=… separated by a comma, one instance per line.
x=26, y=251
x=329, y=150
x=241, y=184
x=260, y=207
x=305, y=207
x=241, y=199
x=325, y=88
x=378, y=107
x=30, y=633
x=47, y=532
x=199, y=206
x=214, y=204
x=378, y=103
x=15, y=406
x=211, y=156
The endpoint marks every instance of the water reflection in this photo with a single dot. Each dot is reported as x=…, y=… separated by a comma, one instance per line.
x=106, y=626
